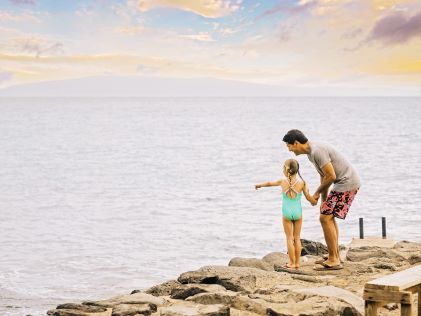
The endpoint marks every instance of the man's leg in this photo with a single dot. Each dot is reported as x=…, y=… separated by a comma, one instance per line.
x=329, y=231
x=337, y=238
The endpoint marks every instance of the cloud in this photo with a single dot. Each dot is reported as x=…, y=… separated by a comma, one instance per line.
x=34, y=46
x=85, y=12
x=396, y=28
x=24, y=17
x=202, y=37
x=22, y=1
x=302, y=7
x=206, y=8
x=227, y=31
x=146, y=69
x=6, y=76
x=353, y=33
x=130, y=30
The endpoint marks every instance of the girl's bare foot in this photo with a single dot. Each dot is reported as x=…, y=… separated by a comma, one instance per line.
x=288, y=266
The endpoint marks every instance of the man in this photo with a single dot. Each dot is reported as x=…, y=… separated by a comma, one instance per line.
x=333, y=169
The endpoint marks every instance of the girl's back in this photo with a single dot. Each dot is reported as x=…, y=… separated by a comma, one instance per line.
x=291, y=198
x=292, y=189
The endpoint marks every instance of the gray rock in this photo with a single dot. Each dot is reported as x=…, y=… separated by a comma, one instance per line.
x=314, y=248
x=364, y=253
x=133, y=309
x=82, y=308
x=317, y=309
x=163, y=289
x=194, y=310
x=137, y=298
x=337, y=293
x=288, y=304
x=276, y=258
x=258, y=306
x=413, y=259
x=184, y=291
x=386, y=266
x=75, y=312
x=233, y=278
x=224, y=298
x=405, y=245
x=306, y=278
x=250, y=263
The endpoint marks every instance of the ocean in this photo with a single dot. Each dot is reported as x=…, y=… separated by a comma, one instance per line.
x=102, y=196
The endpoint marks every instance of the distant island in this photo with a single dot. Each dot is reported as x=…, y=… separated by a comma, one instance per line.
x=138, y=86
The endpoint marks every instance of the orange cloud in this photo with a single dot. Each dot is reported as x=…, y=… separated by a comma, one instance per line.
x=206, y=8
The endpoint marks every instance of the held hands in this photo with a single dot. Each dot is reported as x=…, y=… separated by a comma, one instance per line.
x=313, y=202
x=315, y=199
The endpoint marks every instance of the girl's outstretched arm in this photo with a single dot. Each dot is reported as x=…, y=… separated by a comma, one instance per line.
x=309, y=197
x=268, y=184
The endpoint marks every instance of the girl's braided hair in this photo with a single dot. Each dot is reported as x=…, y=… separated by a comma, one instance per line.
x=293, y=167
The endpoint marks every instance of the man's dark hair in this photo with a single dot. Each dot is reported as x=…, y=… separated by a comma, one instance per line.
x=295, y=135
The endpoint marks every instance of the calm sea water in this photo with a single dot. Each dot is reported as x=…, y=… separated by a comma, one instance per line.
x=103, y=196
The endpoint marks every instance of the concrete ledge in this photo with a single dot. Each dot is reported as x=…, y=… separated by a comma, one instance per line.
x=372, y=242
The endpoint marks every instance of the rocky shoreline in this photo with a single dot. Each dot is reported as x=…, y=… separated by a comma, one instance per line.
x=252, y=286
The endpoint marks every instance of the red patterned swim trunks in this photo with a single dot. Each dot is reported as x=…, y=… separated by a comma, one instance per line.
x=338, y=203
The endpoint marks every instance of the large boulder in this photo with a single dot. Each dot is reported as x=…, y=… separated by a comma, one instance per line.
x=250, y=263
x=342, y=295
x=368, y=252
x=79, y=310
x=288, y=303
x=133, y=310
x=71, y=309
x=184, y=291
x=163, y=289
x=190, y=309
x=276, y=258
x=411, y=251
x=137, y=298
x=224, y=298
x=234, y=278
x=314, y=248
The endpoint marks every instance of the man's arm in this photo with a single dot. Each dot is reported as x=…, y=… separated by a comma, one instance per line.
x=325, y=181
x=323, y=193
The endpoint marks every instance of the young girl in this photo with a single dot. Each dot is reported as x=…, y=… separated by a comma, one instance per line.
x=292, y=189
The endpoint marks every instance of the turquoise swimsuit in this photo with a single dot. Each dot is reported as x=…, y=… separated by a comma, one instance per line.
x=291, y=207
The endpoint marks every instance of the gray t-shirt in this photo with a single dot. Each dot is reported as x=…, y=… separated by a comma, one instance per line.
x=346, y=177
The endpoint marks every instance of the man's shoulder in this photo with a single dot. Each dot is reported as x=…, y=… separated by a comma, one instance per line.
x=319, y=148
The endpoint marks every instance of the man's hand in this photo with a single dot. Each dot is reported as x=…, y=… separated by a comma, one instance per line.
x=316, y=196
x=257, y=186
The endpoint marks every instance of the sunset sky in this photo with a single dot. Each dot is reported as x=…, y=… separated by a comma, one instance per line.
x=299, y=43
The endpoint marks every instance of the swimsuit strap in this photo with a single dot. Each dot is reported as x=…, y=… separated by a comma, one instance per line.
x=291, y=187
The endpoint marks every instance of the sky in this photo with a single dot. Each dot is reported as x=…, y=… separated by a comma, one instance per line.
x=315, y=44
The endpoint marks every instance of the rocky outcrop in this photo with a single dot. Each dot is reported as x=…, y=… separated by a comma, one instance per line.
x=251, y=287
x=163, y=289
x=276, y=258
x=314, y=248
x=250, y=263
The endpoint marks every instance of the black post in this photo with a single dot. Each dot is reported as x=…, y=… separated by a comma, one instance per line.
x=361, y=228
x=384, y=227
